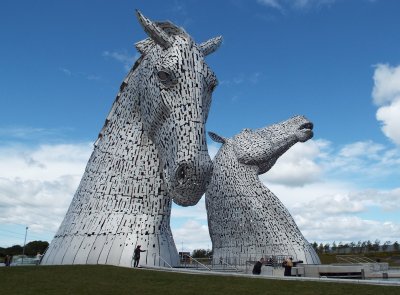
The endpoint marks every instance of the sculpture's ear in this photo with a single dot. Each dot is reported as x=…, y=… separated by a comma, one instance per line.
x=216, y=137
x=154, y=31
x=145, y=45
x=211, y=45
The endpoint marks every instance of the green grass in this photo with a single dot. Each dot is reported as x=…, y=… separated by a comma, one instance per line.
x=100, y=280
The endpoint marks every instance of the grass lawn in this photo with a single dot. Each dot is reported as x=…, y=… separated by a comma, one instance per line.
x=85, y=279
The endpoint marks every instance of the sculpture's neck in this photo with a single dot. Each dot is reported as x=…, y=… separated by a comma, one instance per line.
x=237, y=172
x=123, y=137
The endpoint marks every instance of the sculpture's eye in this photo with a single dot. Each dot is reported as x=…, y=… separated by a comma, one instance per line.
x=163, y=76
x=166, y=77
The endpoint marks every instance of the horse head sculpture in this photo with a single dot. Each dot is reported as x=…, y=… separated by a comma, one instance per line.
x=151, y=150
x=175, y=97
x=262, y=147
x=245, y=218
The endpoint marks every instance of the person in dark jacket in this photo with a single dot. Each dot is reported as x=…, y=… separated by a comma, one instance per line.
x=7, y=260
x=257, y=267
x=136, y=256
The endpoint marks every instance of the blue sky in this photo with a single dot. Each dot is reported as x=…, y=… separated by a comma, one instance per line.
x=335, y=61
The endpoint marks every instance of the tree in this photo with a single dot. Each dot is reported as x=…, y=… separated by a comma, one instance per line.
x=321, y=248
x=352, y=246
x=201, y=253
x=326, y=248
x=334, y=247
x=369, y=246
x=385, y=246
x=339, y=248
x=376, y=245
x=315, y=246
x=363, y=246
x=359, y=247
x=396, y=246
x=32, y=248
x=14, y=250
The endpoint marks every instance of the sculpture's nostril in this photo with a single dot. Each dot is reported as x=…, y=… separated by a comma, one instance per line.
x=182, y=173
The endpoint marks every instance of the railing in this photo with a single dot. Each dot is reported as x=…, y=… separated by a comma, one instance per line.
x=353, y=259
x=23, y=260
x=242, y=260
x=228, y=265
x=195, y=260
x=160, y=258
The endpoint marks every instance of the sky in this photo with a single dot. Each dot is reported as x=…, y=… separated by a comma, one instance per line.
x=335, y=61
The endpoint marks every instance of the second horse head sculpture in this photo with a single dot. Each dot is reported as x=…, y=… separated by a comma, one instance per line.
x=246, y=220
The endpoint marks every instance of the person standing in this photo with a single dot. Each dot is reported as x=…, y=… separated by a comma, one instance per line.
x=288, y=264
x=7, y=260
x=136, y=256
x=38, y=258
x=257, y=267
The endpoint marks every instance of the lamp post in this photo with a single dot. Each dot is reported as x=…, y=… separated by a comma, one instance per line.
x=23, y=249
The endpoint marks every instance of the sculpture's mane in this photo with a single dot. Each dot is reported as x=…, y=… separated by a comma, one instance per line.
x=114, y=104
x=144, y=47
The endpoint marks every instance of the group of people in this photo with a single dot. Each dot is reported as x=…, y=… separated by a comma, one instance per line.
x=287, y=264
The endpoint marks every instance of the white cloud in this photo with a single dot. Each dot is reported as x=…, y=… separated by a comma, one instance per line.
x=338, y=199
x=45, y=162
x=25, y=133
x=37, y=183
x=271, y=3
x=40, y=204
x=387, y=200
x=340, y=211
x=386, y=94
x=240, y=79
x=297, y=4
x=189, y=225
x=197, y=212
x=349, y=228
x=66, y=71
x=363, y=162
x=123, y=57
x=361, y=148
x=390, y=118
x=386, y=84
x=193, y=235
x=298, y=165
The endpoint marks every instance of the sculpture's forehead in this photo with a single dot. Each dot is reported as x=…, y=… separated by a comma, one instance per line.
x=258, y=137
x=186, y=52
